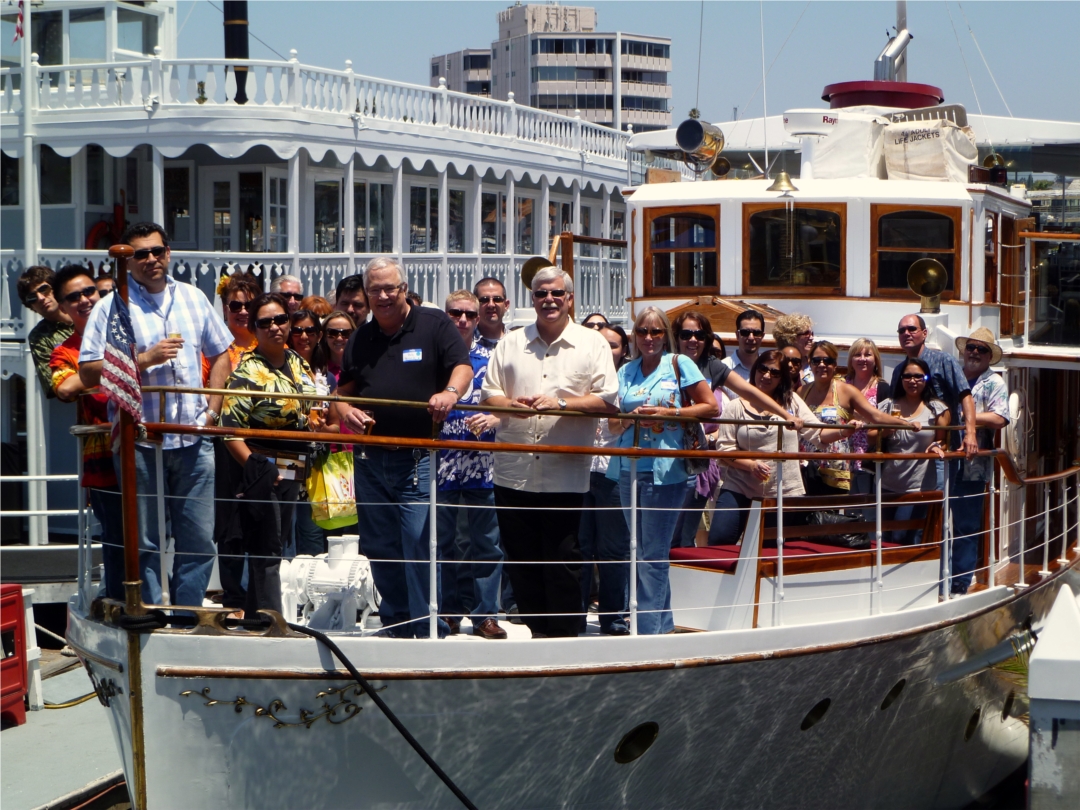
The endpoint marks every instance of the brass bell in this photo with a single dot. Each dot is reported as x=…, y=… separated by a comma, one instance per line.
x=782, y=183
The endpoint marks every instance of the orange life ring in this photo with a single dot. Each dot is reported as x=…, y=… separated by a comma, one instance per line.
x=98, y=231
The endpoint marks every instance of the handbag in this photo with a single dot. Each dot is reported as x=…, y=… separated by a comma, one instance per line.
x=841, y=538
x=330, y=491
x=693, y=433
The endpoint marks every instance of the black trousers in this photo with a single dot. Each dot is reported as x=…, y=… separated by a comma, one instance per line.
x=266, y=513
x=228, y=535
x=542, y=527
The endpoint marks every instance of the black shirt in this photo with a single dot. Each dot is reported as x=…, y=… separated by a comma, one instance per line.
x=412, y=365
x=715, y=372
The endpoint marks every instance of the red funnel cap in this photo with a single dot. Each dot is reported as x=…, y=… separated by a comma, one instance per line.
x=903, y=95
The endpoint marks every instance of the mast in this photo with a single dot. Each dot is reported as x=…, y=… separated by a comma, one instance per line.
x=901, y=24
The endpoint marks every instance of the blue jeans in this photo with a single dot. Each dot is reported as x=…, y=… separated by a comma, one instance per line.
x=481, y=556
x=729, y=518
x=656, y=515
x=393, y=488
x=189, y=501
x=310, y=539
x=105, y=503
x=966, y=502
x=690, y=517
x=604, y=536
x=905, y=511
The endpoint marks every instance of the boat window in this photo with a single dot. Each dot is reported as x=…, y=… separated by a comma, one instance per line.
x=902, y=236
x=681, y=250
x=178, y=203
x=135, y=31
x=277, y=230
x=9, y=171
x=47, y=36
x=222, y=222
x=423, y=219
x=455, y=222
x=86, y=35
x=794, y=248
x=560, y=218
x=1054, y=293
x=328, y=216
x=95, y=175
x=373, y=210
x=55, y=178
x=251, y=212
x=492, y=209
x=523, y=226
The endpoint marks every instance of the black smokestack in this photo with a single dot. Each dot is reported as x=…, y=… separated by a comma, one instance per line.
x=236, y=42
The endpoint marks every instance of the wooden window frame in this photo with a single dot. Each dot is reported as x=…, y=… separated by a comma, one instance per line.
x=651, y=214
x=877, y=211
x=749, y=209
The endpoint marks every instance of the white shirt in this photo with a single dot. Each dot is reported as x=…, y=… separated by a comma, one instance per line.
x=576, y=364
x=735, y=363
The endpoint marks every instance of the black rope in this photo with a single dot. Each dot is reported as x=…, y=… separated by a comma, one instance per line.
x=374, y=695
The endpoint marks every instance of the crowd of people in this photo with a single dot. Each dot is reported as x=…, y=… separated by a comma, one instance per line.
x=540, y=536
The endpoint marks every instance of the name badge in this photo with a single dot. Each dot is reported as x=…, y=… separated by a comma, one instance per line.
x=828, y=413
x=412, y=355
x=668, y=385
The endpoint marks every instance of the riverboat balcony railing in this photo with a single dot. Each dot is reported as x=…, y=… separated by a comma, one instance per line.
x=792, y=582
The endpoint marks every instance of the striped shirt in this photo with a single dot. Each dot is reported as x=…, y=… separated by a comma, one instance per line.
x=180, y=308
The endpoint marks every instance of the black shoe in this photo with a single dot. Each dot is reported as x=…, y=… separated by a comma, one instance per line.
x=455, y=626
x=514, y=617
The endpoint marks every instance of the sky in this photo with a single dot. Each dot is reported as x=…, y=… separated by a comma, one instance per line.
x=807, y=45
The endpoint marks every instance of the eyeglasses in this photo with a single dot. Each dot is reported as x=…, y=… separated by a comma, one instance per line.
x=32, y=296
x=305, y=330
x=292, y=296
x=901, y=330
x=597, y=325
x=642, y=331
x=922, y=377
x=338, y=333
x=540, y=295
x=389, y=292
x=975, y=347
x=457, y=313
x=755, y=332
x=693, y=334
x=766, y=371
x=142, y=254
x=276, y=320
x=236, y=306
x=492, y=299
x=77, y=295
x=817, y=361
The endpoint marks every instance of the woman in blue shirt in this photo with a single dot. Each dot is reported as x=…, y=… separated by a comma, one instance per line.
x=648, y=385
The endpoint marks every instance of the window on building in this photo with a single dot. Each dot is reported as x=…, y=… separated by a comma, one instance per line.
x=47, y=35
x=560, y=218
x=901, y=235
x=251, y=212
x=136, y=31
x=654, y=50
x=178, y=203
x=277, y=226
x=492, y=208
x=455, y=222
x=222, y=216
x=9, y=172
x=794, y=248
x=478, y=88
x=645, y=103
x=434, y=70
x=55, y=178
x=327, y=205
x=681, y=250
x=95, y=175
x=86, y=35
x=423, y=219
x=373, y=211
x=644, y=76
x=477, y=61
x=523, y=225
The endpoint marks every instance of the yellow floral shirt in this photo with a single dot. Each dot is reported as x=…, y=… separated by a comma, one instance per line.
x=254, y=373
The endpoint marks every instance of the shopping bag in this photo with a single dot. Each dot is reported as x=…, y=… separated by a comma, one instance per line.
x=330, y=491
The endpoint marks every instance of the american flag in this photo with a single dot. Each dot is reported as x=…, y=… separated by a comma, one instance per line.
x=19, y=23
x=120, y=367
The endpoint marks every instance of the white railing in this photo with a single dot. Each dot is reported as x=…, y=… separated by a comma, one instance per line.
x=157, y=85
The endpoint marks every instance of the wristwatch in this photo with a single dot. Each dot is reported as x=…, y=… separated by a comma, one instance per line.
x=453, y=391
x=562, y=404
x=211, y=417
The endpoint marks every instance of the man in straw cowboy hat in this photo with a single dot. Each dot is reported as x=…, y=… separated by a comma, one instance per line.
x=991, y=399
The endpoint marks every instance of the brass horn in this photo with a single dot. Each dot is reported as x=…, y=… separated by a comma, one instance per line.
x=720, y=167
x=927, y=279
x=700, y=143
x=992, y=160
x=531, y=268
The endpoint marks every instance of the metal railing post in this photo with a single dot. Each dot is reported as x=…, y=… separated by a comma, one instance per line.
x=1023, y=531
x=946, y=563
x=780, y=528
x=82, y=546
x=633, y=541
x=433, y=547
x=159, y=466
x=1064, y=558
x=1045, y=570
x=879, y=574
x=991, y=574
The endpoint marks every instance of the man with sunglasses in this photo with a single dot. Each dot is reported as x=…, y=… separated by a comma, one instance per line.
x=289, y=288
x=749, y=331
x=77, y=296
x=552, y=365
x=990, y=396
x=35, y=290
x=174, y=326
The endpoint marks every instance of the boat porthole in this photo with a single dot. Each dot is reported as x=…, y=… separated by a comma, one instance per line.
x=815, y=715
x=1007, y=708
x=894, y=693
x=972, y=725
x=636, y=742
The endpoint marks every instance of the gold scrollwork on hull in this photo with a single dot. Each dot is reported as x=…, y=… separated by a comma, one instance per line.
x=337, y=706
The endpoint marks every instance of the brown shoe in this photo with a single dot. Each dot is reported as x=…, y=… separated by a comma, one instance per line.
x=455, y=626
x=489, y=628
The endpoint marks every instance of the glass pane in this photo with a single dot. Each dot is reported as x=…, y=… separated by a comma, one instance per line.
x=523, y=226
x=799, y=248
x=916, y=229
x=178, y=203
x=278, y=231
x=327, y=216
x=893, y=267
x=9, y=171
x=433, y=219
x=1055, y=293
x=360, y=216
x=222, y=215
x=86, y=35
x=381, y=211
x=95, y=175
x=251, y=211
x=688, y=269
x=55, y=178
x=47, y=36
x=683, y=231
x=490, y=232
x=418, y=220
x=135, y=31
x=586, y=221
x=456, y=221
x=10, y=47
x=131, y=187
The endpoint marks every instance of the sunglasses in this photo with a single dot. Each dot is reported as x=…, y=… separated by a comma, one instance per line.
x=765, y=371
x=540, y=295
x=922, y=377
x=975, y=347
x=817, y=361
x=809, y=334
x=457, y=313
x=754, y=332
x=598, y=325
x=142, y=254
x=492, y=299
x=693, y=334
x=292, y=296
x=338, y=333
x=32, y=296
x=77, y=295
x=908, y=329
x=304, y=330
x=237, y=306
x=276, y=320
x=642, y=331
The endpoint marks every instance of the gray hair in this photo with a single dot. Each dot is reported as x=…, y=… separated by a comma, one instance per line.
x=275, y=285
x=551, y=274
x=382, y=263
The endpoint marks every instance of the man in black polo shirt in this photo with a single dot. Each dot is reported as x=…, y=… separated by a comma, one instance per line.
x=406, y=353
